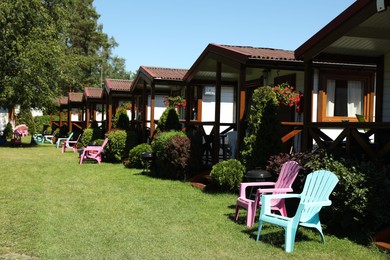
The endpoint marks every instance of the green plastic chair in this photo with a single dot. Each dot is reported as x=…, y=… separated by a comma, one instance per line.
x=318, y=186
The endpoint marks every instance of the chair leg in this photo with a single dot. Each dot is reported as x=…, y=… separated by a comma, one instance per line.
x=259, y=230
x=249, y=215
x=283, y=211
x=290, y=239
x=82, y=157
x=236, y=214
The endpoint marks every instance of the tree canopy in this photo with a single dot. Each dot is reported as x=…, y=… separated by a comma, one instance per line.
x=48, y=47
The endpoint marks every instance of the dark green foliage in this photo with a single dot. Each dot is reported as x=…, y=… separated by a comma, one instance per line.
x=121, y=119
x=25, y=117
x=172, y=151
x=8, y=132
x=91, y=134
x=40, y=122
x=227, y=175
x=134, y=160
x=48, y=47
x=360, y=199
x=120, y=142
x=263, y=127
x=169, y=120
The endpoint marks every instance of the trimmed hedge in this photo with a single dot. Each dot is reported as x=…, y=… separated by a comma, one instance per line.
x=172, y=151
x=134, y=160
x=227, y=175
x=120, y=142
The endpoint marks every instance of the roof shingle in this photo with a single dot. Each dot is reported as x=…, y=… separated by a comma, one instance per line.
x=261, y=53
x=165, y=73
x=119, y=84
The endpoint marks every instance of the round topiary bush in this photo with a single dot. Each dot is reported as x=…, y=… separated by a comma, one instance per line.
x=172, y=151
x=134, y=160
x=227, y=175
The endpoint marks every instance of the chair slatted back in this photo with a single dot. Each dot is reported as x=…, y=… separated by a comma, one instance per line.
x=318, y=187
x=287, y=175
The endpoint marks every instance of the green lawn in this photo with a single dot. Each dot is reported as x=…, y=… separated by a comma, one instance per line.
x=53, y=208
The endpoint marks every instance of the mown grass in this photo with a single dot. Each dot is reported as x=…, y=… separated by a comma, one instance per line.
x=53, y=208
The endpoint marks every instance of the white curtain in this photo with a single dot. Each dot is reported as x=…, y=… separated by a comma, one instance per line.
x=330, y=89
x=355, y=98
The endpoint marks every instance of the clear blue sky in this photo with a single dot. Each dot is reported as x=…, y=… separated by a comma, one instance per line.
x=173, y=33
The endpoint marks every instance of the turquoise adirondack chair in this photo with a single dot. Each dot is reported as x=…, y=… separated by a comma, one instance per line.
x=318, y=186
x=63, y=139
x=283, y=185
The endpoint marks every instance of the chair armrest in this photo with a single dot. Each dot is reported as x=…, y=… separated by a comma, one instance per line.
x=92, y=148
x=244, y=185
x=266, y=200
x=274, y=190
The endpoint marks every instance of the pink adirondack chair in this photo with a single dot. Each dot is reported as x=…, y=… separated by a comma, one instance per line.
x=286, y=178
x=93, y=152
x=70, y=144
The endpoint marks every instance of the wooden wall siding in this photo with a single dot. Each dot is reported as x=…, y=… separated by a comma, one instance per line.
x=386, y=90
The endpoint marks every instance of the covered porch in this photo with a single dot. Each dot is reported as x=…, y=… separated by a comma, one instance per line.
x=359, y=35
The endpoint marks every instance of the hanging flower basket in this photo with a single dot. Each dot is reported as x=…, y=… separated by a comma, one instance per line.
x=288, y=96
x=176, y=102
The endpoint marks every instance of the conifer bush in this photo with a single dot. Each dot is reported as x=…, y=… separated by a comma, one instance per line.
x=227, y=175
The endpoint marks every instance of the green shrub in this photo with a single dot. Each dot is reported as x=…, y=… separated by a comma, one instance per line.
x=134, y=160
x=360, y=199
x=121, y=119
x=263, y=126
x=227, y=175
x=8, y=131
x=40, y=122
x=169, y=120
x=120, y=142
x=91, y=135
x=172, y=151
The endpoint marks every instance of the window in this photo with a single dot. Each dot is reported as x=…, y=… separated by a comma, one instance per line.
x=343, y=96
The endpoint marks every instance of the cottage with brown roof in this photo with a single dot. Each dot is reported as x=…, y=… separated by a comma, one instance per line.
x=151, y=85
x=115, y=92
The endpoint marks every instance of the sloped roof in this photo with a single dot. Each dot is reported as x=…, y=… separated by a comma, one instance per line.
x=96, y=93
x=62, y=100
x=165, y=73
x=233, y=57
x=118, y=84
x=260, y=53
x=75, y=97
x=359, y=33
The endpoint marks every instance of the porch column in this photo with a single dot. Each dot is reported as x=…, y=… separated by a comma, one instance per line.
x=109, y=112
x=307, y=141
x=87, y=114
x=144, y=106
x=69, y=117
x=380, y=72
x=240, y=96
x=217, y=118
x=199, y=103
x=132, y=109
x=152, y=124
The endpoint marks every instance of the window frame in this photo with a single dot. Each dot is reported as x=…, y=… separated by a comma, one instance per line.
x=368, y=94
